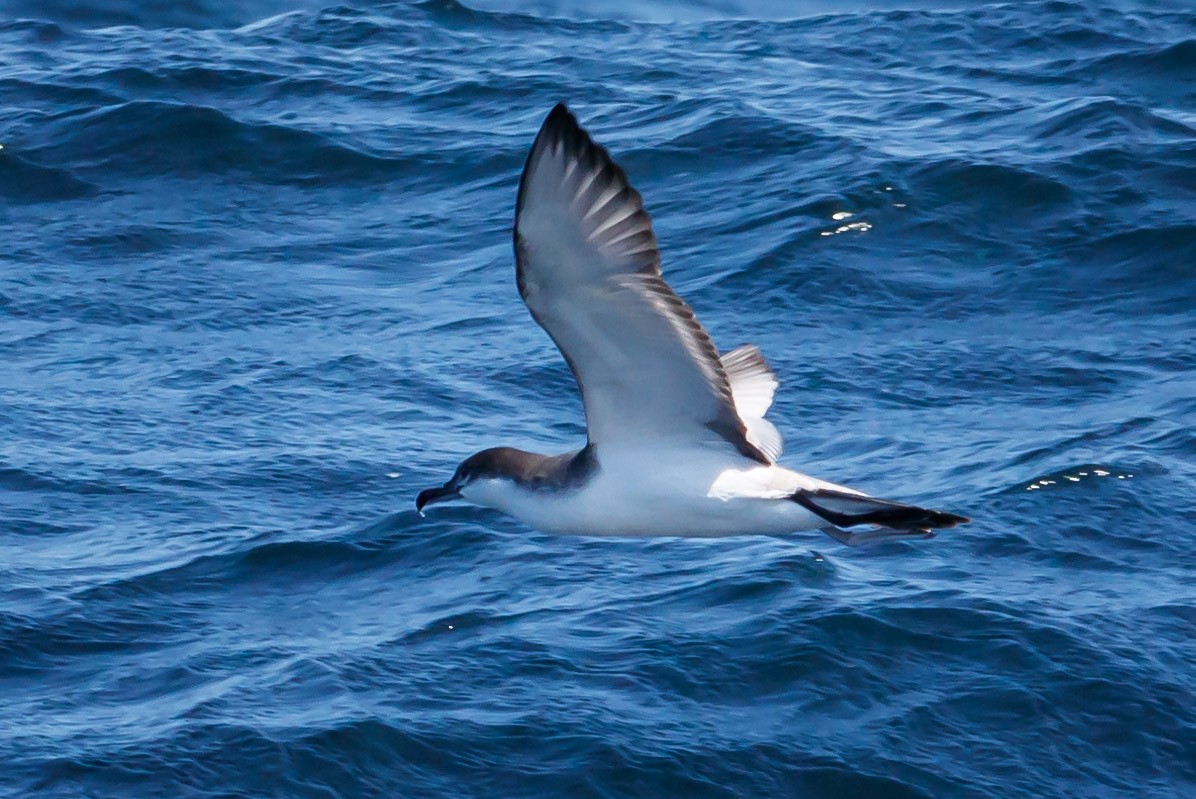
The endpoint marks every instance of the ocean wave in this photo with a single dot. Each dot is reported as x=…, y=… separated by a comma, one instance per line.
x=1100, y=119
x=1002, y=189
x=24, y=181
x=167, y=139
x=24, y=479
x=110, y=13
x=1150, y=62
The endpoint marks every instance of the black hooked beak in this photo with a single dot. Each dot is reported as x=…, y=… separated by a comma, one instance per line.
x=430, y=496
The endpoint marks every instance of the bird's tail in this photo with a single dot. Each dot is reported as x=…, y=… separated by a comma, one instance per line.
x=844, y=509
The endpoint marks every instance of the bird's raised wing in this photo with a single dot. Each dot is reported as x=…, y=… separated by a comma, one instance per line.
x=588, y=268
x=753, y=385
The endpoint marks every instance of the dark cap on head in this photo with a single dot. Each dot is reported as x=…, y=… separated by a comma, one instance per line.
x=526, y=469
x=489, y=463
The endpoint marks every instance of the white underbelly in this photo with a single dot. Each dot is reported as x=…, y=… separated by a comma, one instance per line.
x=709, y=519
x=697, y=495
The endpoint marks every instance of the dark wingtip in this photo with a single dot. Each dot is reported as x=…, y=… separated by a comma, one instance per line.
x=560, y=111
x=846, y=510
x=940, y=519
x=912, y=516
x=559, y=124
x=560, y=120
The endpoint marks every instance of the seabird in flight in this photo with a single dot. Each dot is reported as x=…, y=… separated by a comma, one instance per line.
x=677, y=443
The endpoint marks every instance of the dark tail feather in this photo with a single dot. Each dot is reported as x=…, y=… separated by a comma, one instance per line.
x=847, y=510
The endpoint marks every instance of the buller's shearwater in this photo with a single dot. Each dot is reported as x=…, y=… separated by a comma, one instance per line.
x=677, y=439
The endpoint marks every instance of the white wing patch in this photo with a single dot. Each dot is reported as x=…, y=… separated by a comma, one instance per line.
x=769, y=482
x=753, y=386
x=753, y=383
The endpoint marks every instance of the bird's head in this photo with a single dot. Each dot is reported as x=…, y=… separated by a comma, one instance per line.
x=477, y=473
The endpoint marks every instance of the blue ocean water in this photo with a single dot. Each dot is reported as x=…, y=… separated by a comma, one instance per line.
x=256, y=290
